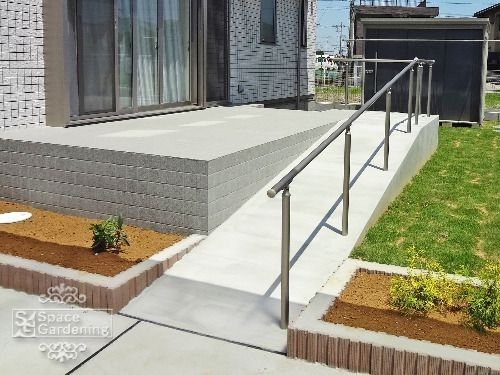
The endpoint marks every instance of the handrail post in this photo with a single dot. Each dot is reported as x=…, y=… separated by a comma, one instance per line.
x=429, y=91
x=410, y=100
x=388, y=102
x=363, y=79
x=346, y=85
x=285, y=258
x=418, y=105
x=347, y=181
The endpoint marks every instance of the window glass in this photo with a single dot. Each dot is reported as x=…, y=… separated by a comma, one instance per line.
x=125, y=55
x=303, y=20
x=176, y=51
x=147, y=53
x=96, y=54
x=268, y=21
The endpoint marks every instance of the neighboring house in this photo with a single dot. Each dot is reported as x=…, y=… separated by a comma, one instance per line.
x=65, y=62
x=363, y=9
x=493, y=14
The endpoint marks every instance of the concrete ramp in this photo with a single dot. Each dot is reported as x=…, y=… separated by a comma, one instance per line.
x=228, y=287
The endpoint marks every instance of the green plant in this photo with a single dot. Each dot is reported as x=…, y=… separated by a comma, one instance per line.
x=424, y=289
x=108, y=234
x=483, y=301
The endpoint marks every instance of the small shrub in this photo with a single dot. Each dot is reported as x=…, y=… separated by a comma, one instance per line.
x=421, y=292
x=108, y=235
x=483, y=302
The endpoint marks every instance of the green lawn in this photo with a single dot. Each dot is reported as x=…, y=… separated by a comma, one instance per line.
x=336, y=94
x=492, y=100
x=451, y=209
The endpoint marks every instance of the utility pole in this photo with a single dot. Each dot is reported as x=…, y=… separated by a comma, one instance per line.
x=352, y=16
x=340, y=29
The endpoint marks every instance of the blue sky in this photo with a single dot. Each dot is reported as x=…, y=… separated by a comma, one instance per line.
x=333, y=12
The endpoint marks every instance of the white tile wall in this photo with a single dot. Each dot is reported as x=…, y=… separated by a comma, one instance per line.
x=268, y=72
x=22, y=95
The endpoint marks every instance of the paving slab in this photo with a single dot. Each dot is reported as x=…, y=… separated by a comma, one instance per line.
x=150, y=349
x=213, y=310
x=234, y=274
x=22, y=355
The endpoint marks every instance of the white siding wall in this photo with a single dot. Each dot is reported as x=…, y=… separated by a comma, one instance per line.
x=268, y=72
x=22, y=96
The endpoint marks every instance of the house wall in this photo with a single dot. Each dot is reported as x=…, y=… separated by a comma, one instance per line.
x=494, y=32
x=22, y=92
x=268, y=72
x=265, y=72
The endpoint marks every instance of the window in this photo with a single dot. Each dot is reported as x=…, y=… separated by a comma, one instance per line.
x=303, y=23
x=268, y=21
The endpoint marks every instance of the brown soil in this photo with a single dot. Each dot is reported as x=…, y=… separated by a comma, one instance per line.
x=65, y=241
x=364, y=304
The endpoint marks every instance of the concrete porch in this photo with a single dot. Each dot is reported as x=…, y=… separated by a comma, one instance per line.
x=185, y=172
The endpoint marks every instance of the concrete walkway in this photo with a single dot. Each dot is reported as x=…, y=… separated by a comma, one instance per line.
x=137, y=348
x=228, y=287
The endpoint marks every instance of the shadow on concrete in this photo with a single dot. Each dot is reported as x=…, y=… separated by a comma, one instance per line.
x=323, y=222
x=214, y=311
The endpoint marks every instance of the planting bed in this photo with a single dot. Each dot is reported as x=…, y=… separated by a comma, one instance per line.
x=350, y=325
x=364, y=304
x=53, y=250
x=65, y=241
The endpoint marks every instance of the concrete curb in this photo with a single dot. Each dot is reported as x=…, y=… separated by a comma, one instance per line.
x=360, y=350
x=112, y=293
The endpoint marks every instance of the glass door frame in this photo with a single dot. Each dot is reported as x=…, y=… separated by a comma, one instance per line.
x=197, y=75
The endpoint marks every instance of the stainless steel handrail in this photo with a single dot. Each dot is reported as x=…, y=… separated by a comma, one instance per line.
x=355, y=59
x=285, y=181
x=284, y=184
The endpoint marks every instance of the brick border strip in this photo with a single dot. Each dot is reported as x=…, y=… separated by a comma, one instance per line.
x=102, y=292
x=360, y=350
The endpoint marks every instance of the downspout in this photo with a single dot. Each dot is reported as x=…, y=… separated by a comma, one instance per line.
x=202, y=60
x=299, y=38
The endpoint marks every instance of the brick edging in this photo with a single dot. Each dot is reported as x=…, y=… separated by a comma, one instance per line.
x=368, y=358
x=315, y=342
x=112, y=294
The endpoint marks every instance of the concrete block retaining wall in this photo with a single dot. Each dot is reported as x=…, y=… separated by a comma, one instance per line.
x=101, y=292
x=161, y=193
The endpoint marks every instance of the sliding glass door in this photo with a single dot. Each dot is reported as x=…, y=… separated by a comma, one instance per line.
x=133, y=55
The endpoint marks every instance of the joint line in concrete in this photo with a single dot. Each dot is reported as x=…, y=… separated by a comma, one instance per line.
x=102, y=348
x=203, y=334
